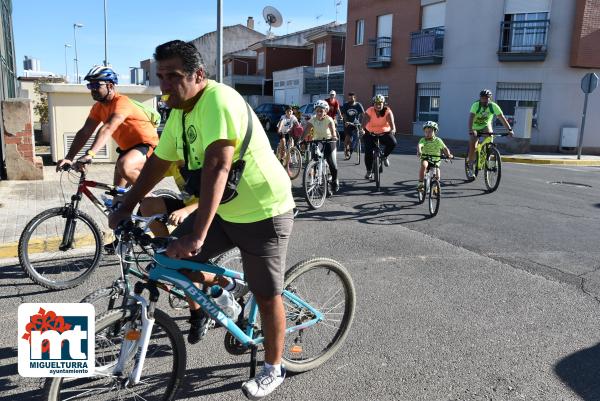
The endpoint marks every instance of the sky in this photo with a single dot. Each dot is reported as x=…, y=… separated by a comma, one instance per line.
x=135, y=27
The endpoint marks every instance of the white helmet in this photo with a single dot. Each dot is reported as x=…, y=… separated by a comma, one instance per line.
x=322, y=104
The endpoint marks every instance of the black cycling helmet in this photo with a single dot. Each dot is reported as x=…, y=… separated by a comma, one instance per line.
x=485, y=93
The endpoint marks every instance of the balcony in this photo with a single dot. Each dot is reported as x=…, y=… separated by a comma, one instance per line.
x=380, y=54
x=427, y=46
x=523, y=40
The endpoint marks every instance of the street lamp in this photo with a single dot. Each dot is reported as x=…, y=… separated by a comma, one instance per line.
x=66, y=67
x=75, y=26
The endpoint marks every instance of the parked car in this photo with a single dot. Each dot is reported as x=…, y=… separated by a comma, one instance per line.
x=269, y=114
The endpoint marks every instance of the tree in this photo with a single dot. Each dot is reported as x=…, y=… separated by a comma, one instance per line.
x=41, y=107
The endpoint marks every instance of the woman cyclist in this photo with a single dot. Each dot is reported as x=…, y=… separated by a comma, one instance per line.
x=378, y=121
x=323, y=128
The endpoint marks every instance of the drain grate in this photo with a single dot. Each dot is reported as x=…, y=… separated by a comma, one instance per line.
x=573, y=184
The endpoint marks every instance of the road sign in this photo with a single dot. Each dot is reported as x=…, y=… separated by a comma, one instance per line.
x=589, y=82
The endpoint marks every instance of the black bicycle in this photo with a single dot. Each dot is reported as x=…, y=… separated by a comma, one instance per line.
x=377, y=165
x=355, y=142
x=431, y=183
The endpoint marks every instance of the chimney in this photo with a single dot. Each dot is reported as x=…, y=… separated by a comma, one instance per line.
x=250, y=23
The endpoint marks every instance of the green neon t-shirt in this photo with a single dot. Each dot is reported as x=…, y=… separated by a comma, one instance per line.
x=483, y=118
x=265, y=189
x=434, y=147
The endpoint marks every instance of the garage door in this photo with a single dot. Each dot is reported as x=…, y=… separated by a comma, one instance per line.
x=279, y=96
x=292, y=96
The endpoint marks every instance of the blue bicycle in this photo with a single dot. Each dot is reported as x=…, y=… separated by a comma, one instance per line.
x=140, y=351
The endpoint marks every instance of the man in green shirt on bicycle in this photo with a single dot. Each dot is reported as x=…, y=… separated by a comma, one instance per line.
x=481, y=117
x=206, y=127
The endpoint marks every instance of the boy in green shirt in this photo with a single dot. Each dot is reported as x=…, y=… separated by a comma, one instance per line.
x=431, y=146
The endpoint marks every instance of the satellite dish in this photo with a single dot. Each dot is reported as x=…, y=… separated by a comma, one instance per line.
x=272, y=17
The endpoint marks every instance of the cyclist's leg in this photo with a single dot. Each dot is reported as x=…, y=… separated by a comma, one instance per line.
x=130, y=164
x=472, y=142
x=354, y=140
x=281, y=147
x=329, y=151
x=263, y=247
x=424, y=165
x=389, y=142
x=159, y=205
x=369, y=146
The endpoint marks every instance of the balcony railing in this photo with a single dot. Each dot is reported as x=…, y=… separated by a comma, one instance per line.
x=427, y=46
x=380, y=54
x=523, y=40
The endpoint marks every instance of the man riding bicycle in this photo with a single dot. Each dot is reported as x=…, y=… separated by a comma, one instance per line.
x=206, y=128
x=129, y=126
x=481, y=116
x=378, y=122
x=352, y=112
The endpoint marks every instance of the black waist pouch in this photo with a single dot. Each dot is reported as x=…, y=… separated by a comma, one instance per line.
x=193, y=179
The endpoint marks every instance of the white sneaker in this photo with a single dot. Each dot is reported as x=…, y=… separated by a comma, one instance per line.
x=263, y=384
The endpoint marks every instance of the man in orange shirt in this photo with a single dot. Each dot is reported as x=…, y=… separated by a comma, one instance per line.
x=129, y=126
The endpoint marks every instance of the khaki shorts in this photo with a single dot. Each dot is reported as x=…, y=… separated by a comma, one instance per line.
x=263, y=246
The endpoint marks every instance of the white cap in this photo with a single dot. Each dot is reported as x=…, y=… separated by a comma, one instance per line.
x=332, y=92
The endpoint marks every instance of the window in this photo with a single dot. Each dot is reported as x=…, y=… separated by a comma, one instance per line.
x=528, y=31
x=260, y=61
x=510, y=95
x=381, y=90
x=321, y=53
x=360, y=32
x=428, y=101
x=228, y=72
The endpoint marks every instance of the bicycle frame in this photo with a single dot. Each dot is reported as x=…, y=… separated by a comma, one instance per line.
x=481, y=149
x=83, y=188
x=166, y=269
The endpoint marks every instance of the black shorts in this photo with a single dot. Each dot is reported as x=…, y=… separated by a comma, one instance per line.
x=143, y=148
x=172, y=204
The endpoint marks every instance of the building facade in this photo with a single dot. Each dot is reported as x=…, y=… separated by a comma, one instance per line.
x=8, y=70
x=377, y=49
x=532, y=55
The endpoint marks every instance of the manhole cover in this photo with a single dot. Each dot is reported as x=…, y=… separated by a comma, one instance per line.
x=573, y=184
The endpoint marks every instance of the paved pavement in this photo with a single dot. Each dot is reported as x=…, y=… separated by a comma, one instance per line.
x=496, y=298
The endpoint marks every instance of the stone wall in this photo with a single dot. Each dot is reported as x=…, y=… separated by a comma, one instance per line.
x=21, y=161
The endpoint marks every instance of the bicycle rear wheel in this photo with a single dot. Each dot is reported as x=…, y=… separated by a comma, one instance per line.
x=327, y=286
x=294, y=163
x=434, y=197
x=492, y=169
x=164, y=367
x=315, y=185
x=60, y=248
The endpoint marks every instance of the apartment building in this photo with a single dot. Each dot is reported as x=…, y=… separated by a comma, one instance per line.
x=531, y=53
x=8, y=70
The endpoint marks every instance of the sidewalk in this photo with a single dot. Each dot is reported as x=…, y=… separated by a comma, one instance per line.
x=20, y=201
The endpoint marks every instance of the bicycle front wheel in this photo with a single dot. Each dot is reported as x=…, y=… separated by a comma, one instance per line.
x=469, y=173
x=493, y=169
x=294, y=164
x=377, y=171
x=434, y=197
x=164, y=367
x=315, y=185
x=59, y=248
x=327, y=286
x=358, y=150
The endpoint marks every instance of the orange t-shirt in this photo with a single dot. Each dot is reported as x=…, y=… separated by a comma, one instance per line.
x=135, y=130
x=378, y=125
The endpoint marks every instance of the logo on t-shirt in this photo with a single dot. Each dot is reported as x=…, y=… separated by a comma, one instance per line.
x=191, y=134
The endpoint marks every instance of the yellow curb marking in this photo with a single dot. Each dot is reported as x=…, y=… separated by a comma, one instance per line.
x=11, y=250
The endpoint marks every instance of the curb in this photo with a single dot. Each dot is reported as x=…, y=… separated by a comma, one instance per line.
x=513, y=159
x=11, y=250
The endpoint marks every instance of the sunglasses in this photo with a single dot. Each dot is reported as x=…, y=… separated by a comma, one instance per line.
x=95, y=85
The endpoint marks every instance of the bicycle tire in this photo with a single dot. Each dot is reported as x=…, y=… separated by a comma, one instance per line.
x=435, y=191
x=90, y=244
x=358, y=150
x=315, y=186
x=294, y=163
x=166, y=193
x=103, y=299
x=376, y=171
x=319, y=287
x=109, y=328
x=492, y=169
x=232, y=259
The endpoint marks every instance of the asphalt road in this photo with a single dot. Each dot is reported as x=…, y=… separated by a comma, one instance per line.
x=493, y=299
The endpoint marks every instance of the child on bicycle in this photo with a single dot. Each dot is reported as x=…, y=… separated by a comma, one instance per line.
x=284, y=128
x=321, y=127
x=430, y=148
